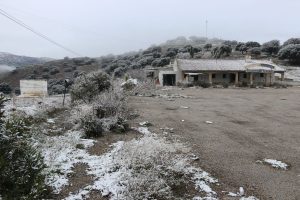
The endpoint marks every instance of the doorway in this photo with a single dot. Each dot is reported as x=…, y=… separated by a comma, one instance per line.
x=169, y=79
x=231, y=78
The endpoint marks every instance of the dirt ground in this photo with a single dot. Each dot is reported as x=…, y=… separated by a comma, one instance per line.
x=248, y=125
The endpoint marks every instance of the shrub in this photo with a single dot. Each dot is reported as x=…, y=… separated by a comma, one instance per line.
x=45, y=76
x=54, y=71
x=202, y=84
x=87, y=87
x=255, y=51
x=225, y=85
x=5, y=88
x=68, y=69
x=107, y=112
x=21, y=165
x=46, y=69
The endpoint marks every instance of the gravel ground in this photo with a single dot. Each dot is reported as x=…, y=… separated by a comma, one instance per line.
x=247, y=125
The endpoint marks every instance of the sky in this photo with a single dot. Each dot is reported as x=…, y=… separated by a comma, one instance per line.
x=100, y=27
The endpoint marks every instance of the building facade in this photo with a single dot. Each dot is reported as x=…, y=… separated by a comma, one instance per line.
x=231, y=72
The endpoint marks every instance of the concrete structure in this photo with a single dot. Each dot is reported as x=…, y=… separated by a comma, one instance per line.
x=234, y=72
x=34, y=88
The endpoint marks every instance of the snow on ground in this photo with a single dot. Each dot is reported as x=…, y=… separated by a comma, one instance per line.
x=30, y=106
x=293, y=73
x=60, y=154
x=249, y=198
x=114, y=172
x=275, y=163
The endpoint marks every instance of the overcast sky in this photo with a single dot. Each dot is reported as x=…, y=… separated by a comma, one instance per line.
x=100, y=27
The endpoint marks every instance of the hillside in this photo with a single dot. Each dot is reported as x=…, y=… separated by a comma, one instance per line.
x=20, y=61
x=155, y=56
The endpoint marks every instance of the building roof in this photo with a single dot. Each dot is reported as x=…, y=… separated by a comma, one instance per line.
x=227, y=65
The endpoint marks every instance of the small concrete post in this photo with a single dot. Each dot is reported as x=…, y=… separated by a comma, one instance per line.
x=236, y=78
x=251, y=78
x=210, y=78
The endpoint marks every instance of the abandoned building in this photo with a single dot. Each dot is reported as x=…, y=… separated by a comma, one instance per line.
x=33, y=88
x=235, y=72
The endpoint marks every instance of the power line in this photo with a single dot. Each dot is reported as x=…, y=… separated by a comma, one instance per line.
x=19, y=22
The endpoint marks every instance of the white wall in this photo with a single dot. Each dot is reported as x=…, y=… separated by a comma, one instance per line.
x=33, y=88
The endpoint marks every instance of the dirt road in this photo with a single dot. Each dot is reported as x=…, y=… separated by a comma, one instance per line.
x=248, y=125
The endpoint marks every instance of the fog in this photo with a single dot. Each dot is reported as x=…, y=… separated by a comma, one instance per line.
x=5, y=68
x=99, y=27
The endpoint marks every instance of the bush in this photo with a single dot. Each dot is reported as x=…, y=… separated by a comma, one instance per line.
x=54, y=71
x=203, y=84
x=88, y=86
x=225, y=85
x=255, y=51
x=21, y=165
x=107, y=112
x=69, y=69
x=5, y=88
x=45, y=76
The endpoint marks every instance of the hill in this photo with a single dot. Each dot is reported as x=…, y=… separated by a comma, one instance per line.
x=20, y=61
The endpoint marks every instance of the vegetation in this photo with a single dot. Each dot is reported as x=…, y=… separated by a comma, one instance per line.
x=88, y=86
x=100, y=106
x=21, y=165
x=290, y=52
x=272, y=47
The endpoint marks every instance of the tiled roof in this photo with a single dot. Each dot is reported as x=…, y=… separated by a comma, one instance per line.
x=225, y=65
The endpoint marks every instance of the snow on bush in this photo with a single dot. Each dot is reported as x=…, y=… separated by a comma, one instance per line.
x=88, y=86
x=146, y=168
x=108, y=111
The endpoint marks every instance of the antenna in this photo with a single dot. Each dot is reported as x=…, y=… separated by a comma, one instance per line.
x=206, y=24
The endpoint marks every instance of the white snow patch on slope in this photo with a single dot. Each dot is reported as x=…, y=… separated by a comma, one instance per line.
x=249, y=198
x=115, y=176
x=276, y=163
x=60, y=154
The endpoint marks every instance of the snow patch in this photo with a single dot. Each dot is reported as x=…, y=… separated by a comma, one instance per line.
x=60, y=154
x=120, y=172
x=274, y=163
x=130, y=81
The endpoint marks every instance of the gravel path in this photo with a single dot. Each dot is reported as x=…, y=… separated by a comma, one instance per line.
x=247, y=125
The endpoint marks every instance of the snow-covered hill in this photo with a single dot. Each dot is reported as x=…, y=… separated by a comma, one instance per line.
x=20, y=61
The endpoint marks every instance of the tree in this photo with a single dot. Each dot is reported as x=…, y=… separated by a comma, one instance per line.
x=223, y=50
x=87, y=86
x=207, y=46
x=5, y=88
x=252, y=44
x=239, y=45
x=291, y=41
x=230, y=42
x=255, y=51
x=271, y=47
x=291, y=53
x=21, y=165
x=191, y=51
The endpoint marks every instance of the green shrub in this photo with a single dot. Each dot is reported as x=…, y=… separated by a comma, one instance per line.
x=21, y=165
x=92, y=126
x=88, y=86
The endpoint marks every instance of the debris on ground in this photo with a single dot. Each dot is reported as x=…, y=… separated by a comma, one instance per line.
x=208, y=122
